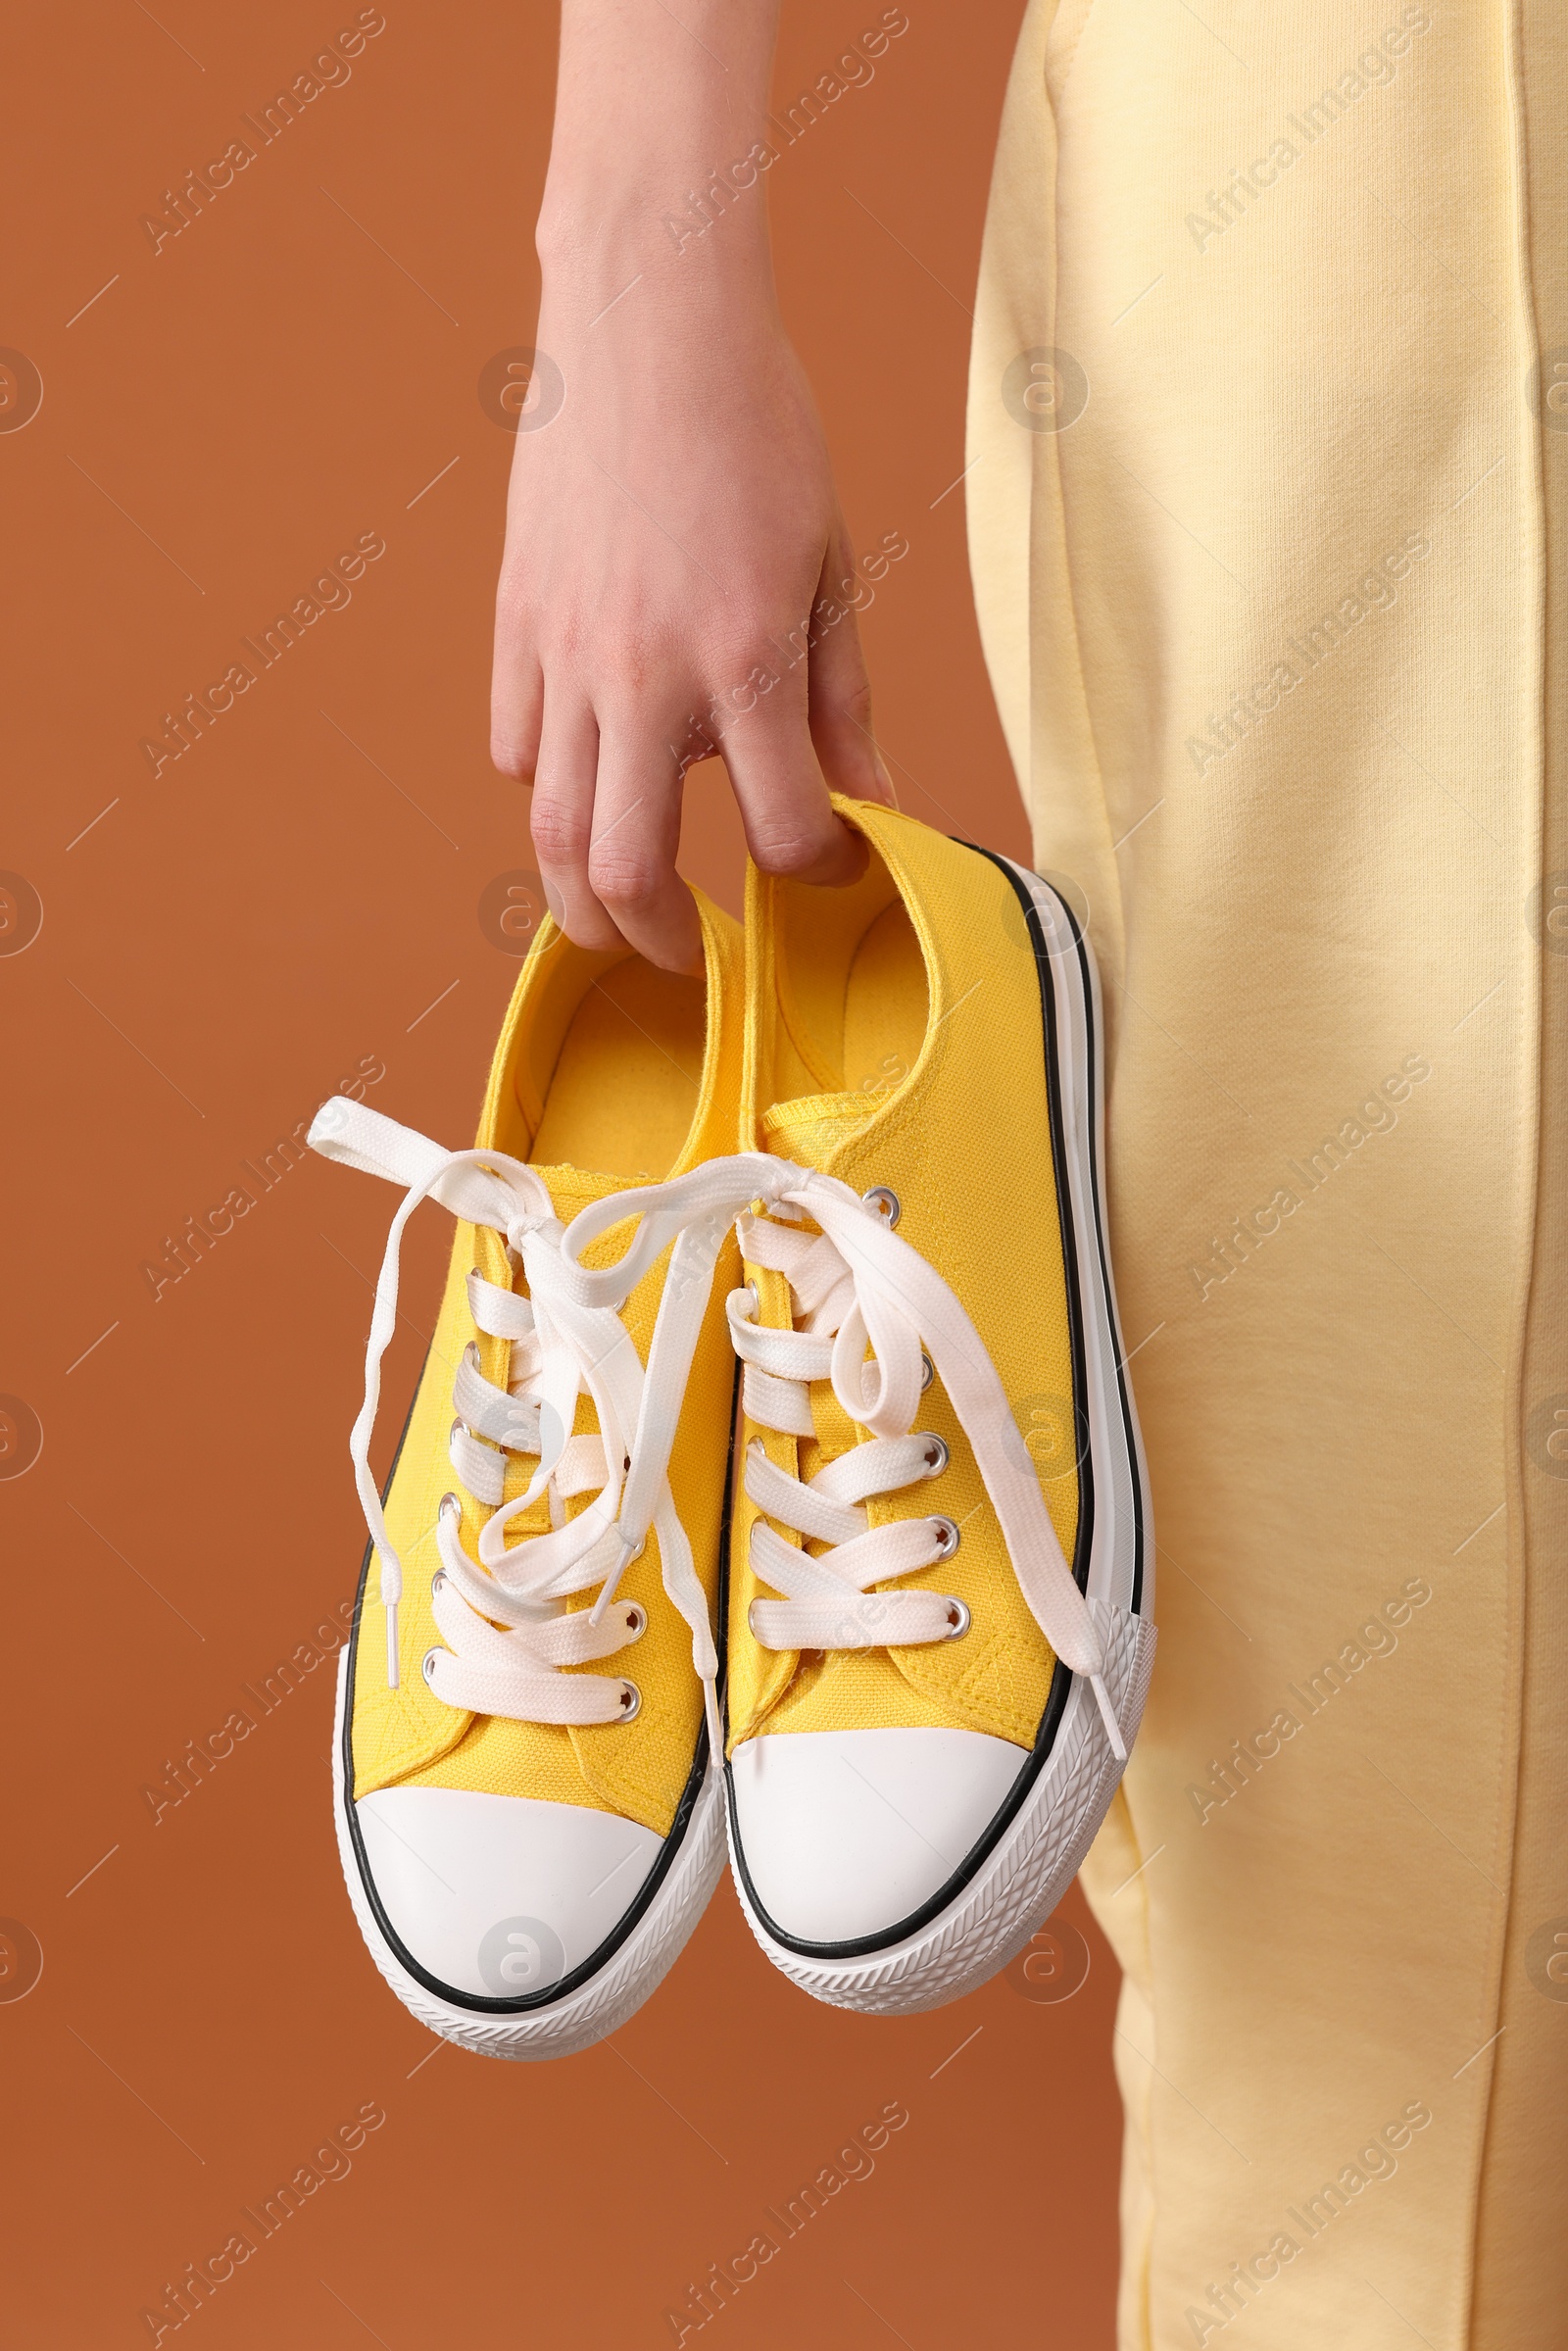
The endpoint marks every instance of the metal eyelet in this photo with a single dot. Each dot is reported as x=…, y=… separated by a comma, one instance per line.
x=947, y=1537
x=958, y=1619
x=631, y=1703
x=884, y=1201
x=426, y=1663
x=751, y=1620
x=636, y=1622
x=456, y=1504
x=928, y=1371
x=437, y=1581
x=452, y=1432
x=936, y=1456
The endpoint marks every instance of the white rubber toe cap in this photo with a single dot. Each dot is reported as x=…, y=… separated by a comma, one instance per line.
x=845, y=1834
x=499, y=1896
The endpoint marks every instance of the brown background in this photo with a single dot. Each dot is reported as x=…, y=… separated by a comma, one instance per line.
x=218, y=949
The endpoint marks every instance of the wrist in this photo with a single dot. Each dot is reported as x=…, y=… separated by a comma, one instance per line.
x=703, y=235
x=662, y=137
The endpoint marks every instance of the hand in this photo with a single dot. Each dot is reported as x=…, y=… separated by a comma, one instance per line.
x=676, y=581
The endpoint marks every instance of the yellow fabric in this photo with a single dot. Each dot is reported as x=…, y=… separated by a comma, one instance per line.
x=607, y=1062
x=1275, y=619
x=628, y=1075
x=908, y=1001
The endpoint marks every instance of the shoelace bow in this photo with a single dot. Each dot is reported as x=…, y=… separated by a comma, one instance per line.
x=566, y=1338
x=855, y=1283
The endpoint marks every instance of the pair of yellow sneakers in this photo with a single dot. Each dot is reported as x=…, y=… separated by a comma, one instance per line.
x=890, y=1620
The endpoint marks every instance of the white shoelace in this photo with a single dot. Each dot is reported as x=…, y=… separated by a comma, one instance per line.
x=566, y=1338
x=854, y=1283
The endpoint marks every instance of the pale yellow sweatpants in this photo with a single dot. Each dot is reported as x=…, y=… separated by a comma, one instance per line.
x=1269, y=429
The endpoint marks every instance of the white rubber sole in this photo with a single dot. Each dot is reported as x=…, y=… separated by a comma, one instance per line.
x=600, y=2006
x=1028, y=1869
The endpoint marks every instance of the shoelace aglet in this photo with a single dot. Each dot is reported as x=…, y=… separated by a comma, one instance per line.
x=628, y=1552
x=389, y=1569
x=1118, y=1745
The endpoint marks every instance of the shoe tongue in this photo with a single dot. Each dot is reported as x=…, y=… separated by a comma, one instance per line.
x=811, y=1130
x=575, y=1187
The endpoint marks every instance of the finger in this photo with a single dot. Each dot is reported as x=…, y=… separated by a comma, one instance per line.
x=561, y=817
x=517, y=698
x=631, y=858
x=838, y=687
x=773, y=772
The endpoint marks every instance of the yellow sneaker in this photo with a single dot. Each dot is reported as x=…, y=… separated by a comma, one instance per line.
x=527, y=1800
x=941, y=1579
x=939, y=1629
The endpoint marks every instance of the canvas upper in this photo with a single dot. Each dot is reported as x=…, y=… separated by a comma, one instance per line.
x=890, y=1044
x=593, y=1115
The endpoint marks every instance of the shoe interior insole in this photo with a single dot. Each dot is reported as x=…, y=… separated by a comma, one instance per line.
x=853, y=997
x=624, y=1089
x=885, y=1005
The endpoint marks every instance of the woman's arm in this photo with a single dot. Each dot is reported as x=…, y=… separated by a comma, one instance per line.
x=672, y=531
